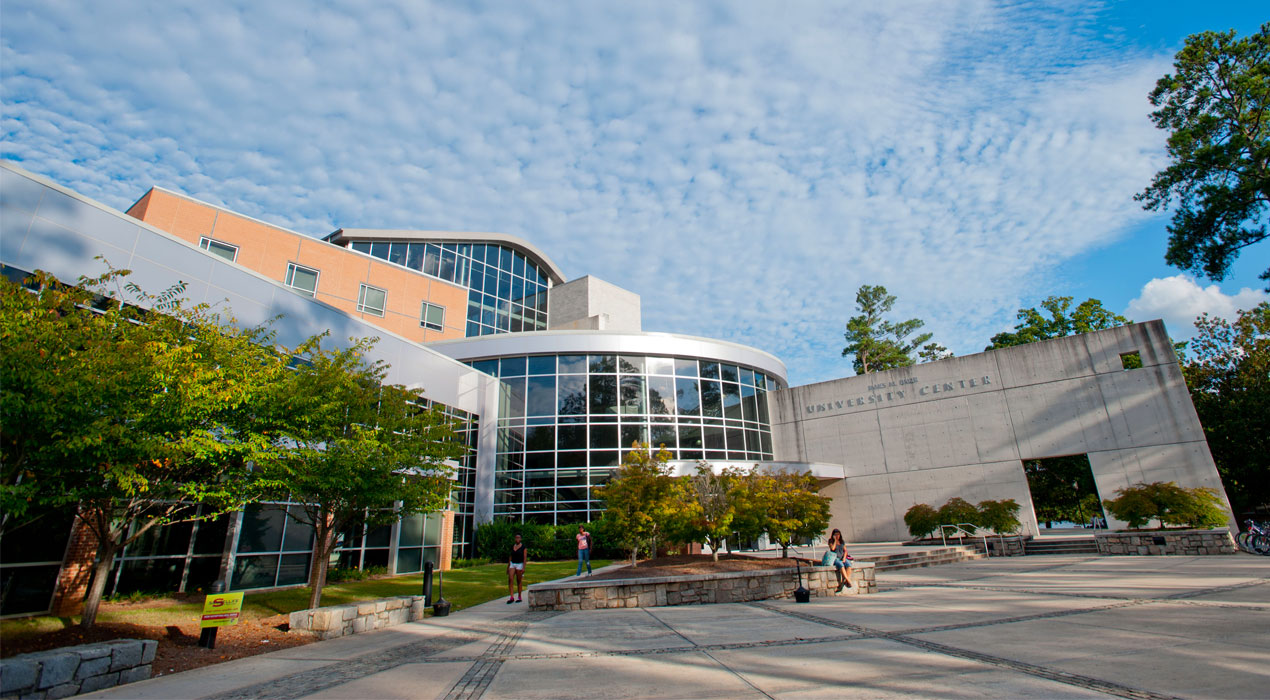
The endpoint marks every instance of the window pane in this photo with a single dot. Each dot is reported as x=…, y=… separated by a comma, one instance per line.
x=542, y=364
x=729, y=373
x=224, y=250
x=261, y=529
x=710, y=370
x=661, y=395
x=572, y=400
x=661, y=365
x=686, y=368
x=362, y=246
x=397, y=254
x=540, y=437
x=731, y=401
x=414, y=260
x=687, y=397
x=604, y=436
x=711, y=399
x=511, y=367
x=632, y=395
x=662, y=434
x=631, y=364
x=379, y=249
x=632, y=433
x=573, y=364
x=603, y=394
x=603, y=363
x=371, y=300
x=431, y=260
x=255, y=572
x=411, y=531
x=571, y=437
x=299, y=535
x=542, y=396
x=690, y=436
x=514, y=397
x=302, y=279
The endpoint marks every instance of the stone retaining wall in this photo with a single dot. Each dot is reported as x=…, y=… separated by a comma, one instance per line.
x=1007, y=546
x=355, y=618
x=1184, y=542
x=726, y=587
x=61, y=673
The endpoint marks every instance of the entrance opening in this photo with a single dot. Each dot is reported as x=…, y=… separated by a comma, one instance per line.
x=1063, y=492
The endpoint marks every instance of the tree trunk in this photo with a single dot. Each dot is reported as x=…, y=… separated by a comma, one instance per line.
x=101, y=572
x=323, y=541
x=784, y=550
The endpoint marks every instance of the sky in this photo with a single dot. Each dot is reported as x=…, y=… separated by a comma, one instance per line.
x=744, y=166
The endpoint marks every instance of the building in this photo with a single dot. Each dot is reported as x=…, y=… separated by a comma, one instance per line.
x=553, y=378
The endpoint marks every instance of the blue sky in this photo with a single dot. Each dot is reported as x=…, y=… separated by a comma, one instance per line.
x=744, y=166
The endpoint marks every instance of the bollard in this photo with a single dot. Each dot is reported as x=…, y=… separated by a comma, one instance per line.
x=207, y=638
x=442, y=607
x=427, y=583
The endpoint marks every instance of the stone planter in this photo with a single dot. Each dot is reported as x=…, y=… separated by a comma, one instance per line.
x=61, y=673
x=1167, y=542
x=355, y=618
x=701, y=589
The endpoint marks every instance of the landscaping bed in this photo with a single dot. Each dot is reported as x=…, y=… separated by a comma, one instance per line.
x=692, y=564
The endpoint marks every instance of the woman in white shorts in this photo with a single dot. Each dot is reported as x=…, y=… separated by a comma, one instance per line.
x=516, y=570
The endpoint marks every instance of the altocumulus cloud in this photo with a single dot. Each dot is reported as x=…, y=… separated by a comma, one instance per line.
x=744, y=166
x=1179, y=301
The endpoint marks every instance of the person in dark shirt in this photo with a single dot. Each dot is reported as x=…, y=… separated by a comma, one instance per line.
x=516, y=570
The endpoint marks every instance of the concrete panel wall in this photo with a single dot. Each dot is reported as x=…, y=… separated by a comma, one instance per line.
x=963, y=426
x=591, y=304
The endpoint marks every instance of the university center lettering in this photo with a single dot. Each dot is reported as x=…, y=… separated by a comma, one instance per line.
x=897, y=390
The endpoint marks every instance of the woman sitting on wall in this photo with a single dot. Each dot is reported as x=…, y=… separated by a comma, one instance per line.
x=838, y=557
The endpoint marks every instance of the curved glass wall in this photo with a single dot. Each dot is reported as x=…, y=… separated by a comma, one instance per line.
x=565, y=420
x=507, y=292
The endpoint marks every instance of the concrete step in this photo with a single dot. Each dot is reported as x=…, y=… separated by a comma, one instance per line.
x=923, y=558
x=1068, y=545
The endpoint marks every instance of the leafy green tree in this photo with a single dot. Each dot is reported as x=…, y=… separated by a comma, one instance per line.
x=786, y=505
x=1062, y=488
x=134, y=415
x=1034, y=325
x=1216, y=108
x=876, y=344
x=921, y=520
x=356, y=450
x=1229, y=378
x=1169, y=504
x=1001, y=517
x=958, y=511
x=641, y=500
x=709, y=505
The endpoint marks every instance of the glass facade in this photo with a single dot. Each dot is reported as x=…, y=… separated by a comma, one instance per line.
x=566, y=419
x=507, y=292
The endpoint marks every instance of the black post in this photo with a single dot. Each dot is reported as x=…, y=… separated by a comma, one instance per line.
x=207, y=638
x=442, y=607
x=427, y=583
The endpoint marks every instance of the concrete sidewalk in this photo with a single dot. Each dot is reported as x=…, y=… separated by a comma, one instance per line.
x=1055, y=626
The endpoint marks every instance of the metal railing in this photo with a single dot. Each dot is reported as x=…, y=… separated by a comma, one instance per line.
x=962, y=531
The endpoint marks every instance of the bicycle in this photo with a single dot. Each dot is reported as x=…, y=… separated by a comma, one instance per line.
x=1256, y=539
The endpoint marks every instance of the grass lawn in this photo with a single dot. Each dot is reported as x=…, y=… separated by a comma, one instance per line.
x=463, y=588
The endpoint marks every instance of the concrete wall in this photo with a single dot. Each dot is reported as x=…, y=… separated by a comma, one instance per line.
x=591, y=304
x=963, y=426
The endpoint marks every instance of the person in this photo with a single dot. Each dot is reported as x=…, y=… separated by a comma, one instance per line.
x=516, y=570
x=584, y=550
x=841, y=560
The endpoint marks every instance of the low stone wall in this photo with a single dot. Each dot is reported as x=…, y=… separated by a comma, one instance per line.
x=61, y=673
x=726, y=587
x=355, y=618
x=1183, y=542
x=1007, y=546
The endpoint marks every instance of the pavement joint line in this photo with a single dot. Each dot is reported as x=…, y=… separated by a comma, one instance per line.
x=1063, y=677
x=480, y=674
x=740, y=677
x=667, y=626
x=1182, y=598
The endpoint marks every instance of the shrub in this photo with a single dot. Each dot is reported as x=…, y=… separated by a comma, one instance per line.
x=1167, y=503
x=957, y=511
x=469, y=563
x=342, y=575
x=544, y=542
x=921, y=520
x=1001, y=517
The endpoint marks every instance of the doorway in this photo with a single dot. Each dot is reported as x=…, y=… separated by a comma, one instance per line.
x=1063, y=492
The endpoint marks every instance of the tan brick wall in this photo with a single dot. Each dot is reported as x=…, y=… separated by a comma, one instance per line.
x=447, y=539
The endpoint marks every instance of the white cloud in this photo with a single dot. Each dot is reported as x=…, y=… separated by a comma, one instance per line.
x=1179, y=301
x=744, y=166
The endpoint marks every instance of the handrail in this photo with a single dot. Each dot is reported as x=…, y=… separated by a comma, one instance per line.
x=958, y=528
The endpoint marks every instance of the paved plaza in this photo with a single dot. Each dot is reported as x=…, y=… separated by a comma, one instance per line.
x=1044, y=627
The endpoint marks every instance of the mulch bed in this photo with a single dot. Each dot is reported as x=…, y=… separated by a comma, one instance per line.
x=178, y=644
x=695, y=564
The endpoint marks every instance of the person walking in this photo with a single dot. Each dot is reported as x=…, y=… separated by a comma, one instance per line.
x=841, y=560
x=584, y=550
x=516, y=570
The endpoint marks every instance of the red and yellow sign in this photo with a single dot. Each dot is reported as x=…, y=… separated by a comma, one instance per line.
x=221, y=609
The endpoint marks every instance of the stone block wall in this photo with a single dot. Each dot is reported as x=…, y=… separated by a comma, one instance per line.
x=355, y=618
x=61, y=673
x=1181, y=542
x=726, y=587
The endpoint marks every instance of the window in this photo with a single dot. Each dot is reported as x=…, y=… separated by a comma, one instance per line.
x=1131, y=360
x=225, y=250
x=372, y=300
x=302, y=279
x=432, y=317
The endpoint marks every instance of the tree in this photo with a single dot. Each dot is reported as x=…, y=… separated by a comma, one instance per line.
x=876, y=344
x=641, y=499
x=709, y=505
x=1001, y=517
x=786, y=505
x=1229, y=379
x=1033, y=324
x=921, y=520
x=356, y=450
x=958, y=511
x=1168, y=503
x=134, y=415
x=1216, y=108
x=1062, y=488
